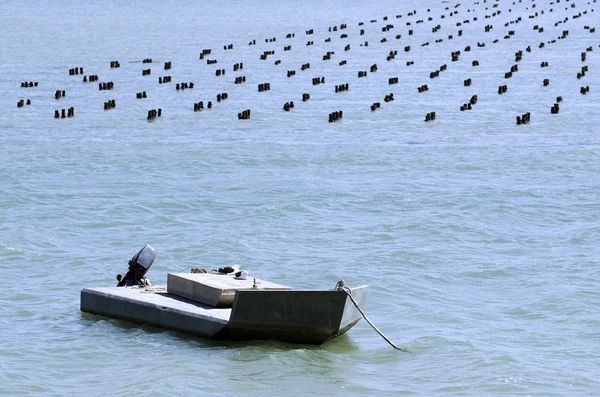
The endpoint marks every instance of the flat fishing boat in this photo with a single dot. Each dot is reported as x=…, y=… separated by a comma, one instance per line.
x=227, y=304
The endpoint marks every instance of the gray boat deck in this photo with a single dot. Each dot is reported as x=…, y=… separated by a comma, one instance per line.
x=154, y=305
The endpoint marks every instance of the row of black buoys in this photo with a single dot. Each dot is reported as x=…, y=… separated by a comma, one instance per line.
x=519, y=56
x=164, y=79
x=584, y=90
x=184, y=86
x=238, y=66
x=147, y=60
x=228, y=47
x=106, y=86
x=168, y=65
x=153, y=114
x=422, y=88
x=305, y=97
x=310, y=31
x=408, y=63
x=455, y=56
x=342, y=62
x=76, y=70
x=582, y=73
x=200, y=106
x=554, y=109
x=146, y=72
x=245, y=115
x=240, y=80
x=253, y=42
x=392, y=55
x=277, y=62
x=373, y=68
x=544, y=64
x=114, y=64
x=327, y=56
x=546, y=82
x=335, y=116
x=389, y=97
x=64, y=113
x=583, y=56
x=508, y=75
x=305, y=66
x=205, y=52
x=407, y=48
x=288, y=105
x=342, y=87
x=430, y=116
x=222, y=97
x=21, y=103
x=469, y=106
x=502, y=89
x=287, y=48
x=264, y=87
x=265, y=54
x=211, y=61
x=110, y=104
x=524, y=119
x=28, y=84
x=91, y=78
x=290, y=35
x=59, y=94
x=141, y=95
x=220, y=72
x=362, y=73
x=318, y=80
x=310, y=42
x=375, y=106
x=347, y=47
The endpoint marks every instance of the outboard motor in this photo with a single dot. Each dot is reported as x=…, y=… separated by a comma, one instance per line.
x=138, y=266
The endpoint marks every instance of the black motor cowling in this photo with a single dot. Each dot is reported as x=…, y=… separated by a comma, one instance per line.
x=138, y=266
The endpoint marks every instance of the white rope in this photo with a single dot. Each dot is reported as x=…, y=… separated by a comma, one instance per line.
x=341, y=286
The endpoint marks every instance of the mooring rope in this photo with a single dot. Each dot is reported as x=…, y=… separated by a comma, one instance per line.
x=341, y=286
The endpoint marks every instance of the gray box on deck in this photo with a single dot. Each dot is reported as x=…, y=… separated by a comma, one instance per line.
x=216, y=290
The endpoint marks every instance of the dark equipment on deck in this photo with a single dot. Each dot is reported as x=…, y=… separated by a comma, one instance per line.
x=138, y=266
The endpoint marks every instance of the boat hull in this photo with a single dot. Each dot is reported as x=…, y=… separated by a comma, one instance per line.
x=293, y=316
x=311, y=317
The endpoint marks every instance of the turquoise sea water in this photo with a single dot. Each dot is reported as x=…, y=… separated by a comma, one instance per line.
x=479, y=238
